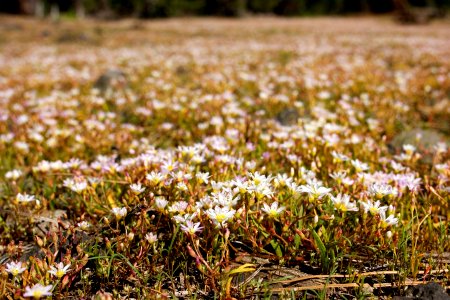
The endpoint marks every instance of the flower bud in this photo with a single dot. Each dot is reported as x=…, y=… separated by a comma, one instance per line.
x=191, y=252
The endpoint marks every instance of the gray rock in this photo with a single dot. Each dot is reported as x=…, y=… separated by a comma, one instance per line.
x=423, y=139
x=111, y=80
x=68, y=37
x=49, y=221
x=429, y=291
x=288, y=116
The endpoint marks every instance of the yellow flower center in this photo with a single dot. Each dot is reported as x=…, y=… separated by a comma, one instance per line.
x=37, y=294
x=220, y=217
x=373, y=210
x=272, y=213
x=341, y=207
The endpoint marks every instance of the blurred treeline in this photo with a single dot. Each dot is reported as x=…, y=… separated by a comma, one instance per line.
x=169, y=8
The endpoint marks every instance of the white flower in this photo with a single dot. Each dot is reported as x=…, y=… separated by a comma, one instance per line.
x=342, y=202
x=373, y=208
x=151, y=237
x=261, y=190
x=282, y=180
x=197, y=159
x=338, y=176
x=397, y=166
x=359, y=166
x=389, y=221
x=15, y=268
x=258, y=179
x=202, y=177
x=220, y=215
x=441, y=168
x=13, y=174
x=409, y=149
x=180, y=176
x=119, y=212
x=24, y=198
x=60, y=270
x=161, y=202
x=137, y=188
x=169, y=166
x=184, y=218
x=191, y=228
x=179, y=207
x=273, y=210
x=380, y=190
x=22, y=146
x=440, y=148
x=241, y=186
x=338, y=157
x=83, y=225
x=389, y=234
x=347, y=181
x=38, y=291
x=316, y=219
x=75, y=185
x=181, y=186
x=155, y=178
x=79, y=186
x=314, y=190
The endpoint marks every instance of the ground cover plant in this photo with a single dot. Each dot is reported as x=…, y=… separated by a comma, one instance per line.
x=204, y=159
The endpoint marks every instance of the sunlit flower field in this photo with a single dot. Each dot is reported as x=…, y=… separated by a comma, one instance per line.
x=223, y=159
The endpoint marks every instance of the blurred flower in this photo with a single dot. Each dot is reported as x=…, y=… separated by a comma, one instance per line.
x=409, y=149
x=202, y=177
x=389, y=234
x=15, y=268
x=77, y=186
x=60, y=270
x=13, y=174
x=387, y=221
x=179, y=207
x=337, y=157
x=137, y=188
x=359, y=166
x=24, y=198
x=151, y=237
x=83, y=225
x=38, y=291
x=181, y=186
x=160, y=202
x=155, y=178
x=119, y=212
x=381, y=190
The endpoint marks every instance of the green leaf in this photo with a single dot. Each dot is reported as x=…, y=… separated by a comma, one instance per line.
x=277, y=248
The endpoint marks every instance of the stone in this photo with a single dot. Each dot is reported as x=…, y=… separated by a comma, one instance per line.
x=49, y=221
x=111, y=80
x=288, y=116
x=423, y=139
x=68, y=37
x=429, y=291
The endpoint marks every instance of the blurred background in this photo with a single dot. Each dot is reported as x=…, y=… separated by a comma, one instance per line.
x=412, y=11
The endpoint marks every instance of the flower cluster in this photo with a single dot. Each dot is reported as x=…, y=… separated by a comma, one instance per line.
x=292, y=145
